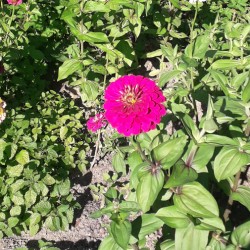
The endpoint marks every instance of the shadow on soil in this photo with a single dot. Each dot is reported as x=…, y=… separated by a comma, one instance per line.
x=67, y=245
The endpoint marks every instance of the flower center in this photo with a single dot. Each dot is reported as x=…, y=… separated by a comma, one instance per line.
x=130, y=95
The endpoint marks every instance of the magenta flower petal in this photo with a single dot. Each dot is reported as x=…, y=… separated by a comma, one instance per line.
x=14, y=2
x=96, y=122
x=134, y=104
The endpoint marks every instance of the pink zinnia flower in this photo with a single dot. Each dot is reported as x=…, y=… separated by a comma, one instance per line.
x=133, y=105
x=14, y=2
x=96, y=122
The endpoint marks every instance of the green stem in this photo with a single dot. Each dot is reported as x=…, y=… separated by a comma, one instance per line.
x=192, y=27
x=230, y=200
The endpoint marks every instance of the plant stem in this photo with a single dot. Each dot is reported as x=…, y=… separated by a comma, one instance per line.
x=230, y=200
x=96, y=148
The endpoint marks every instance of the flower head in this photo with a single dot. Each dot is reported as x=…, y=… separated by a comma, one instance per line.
x=133, y=105
x=2, y=110
x=96, y=122
x=14, y=2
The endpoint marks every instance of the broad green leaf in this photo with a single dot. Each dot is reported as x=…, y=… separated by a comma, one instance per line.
x=195, y=200
x=202, y=157
x=148, y=189
x=121, y=232
x=242, y=195
x=167, y=76
x=43, y=207
x=190, y=238
x=14, y=171
x=92, y=6
x=35, y=218
x=181, y=174
x=30, y=197
x=173, y=217
x=167, y=245
x=220, y=140
x=222, y=80
x=12, y=221
x=145, y=225
x=109, y=243
x=106, y=210
x=246, y=93
x=68, y=68
x=93, y=37
x=190, y=126
x=15, y=211
x=210, y=224
x=89, y=91
x=118, y=163
x=134, y=159
x=169, y=152
x=129, y=206
x=217, y=244
x=226, y=64
x=228, y=162
x=33, y=229
x=63, y=132
x=23, y=157
x=201, y=46
x=48, y=180
x=241, y=235
x=239, y=79
x=64, y=187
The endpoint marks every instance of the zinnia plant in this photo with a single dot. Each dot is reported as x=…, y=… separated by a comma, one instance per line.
x=134, y=104
x=96, y=122
x=14, y=2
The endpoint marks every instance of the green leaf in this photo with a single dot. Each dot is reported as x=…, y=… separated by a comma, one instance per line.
x=23, y=157
x=181, y=174
x=226, y=64
x=169, y=152
x=12, y=221
x=190, y=238
x=134, y=159
x=148, y=189
x=246, y=93
x=167, y=245
x=118, y=163
x=195, y=200
x=35, y=218
x=64, y=187
x=172, y=217
x=242, y=195
x=228, y=162
x=68, y=68
x=30, y=197
x=92, y=6
x=129, y=206
x=109, y=243
x=43, y=207
x=63, y=132
x=14, y=171
x=167, y=76
x=121, y=233
x=16, y=210
x=89, y=91
x=241, y=235
x=210, y=224
x=93, y=37
x=48, y=180
x=33, y=229
x=222, y=80
x=201, y=46
x=145, y=225
x=219, y=140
